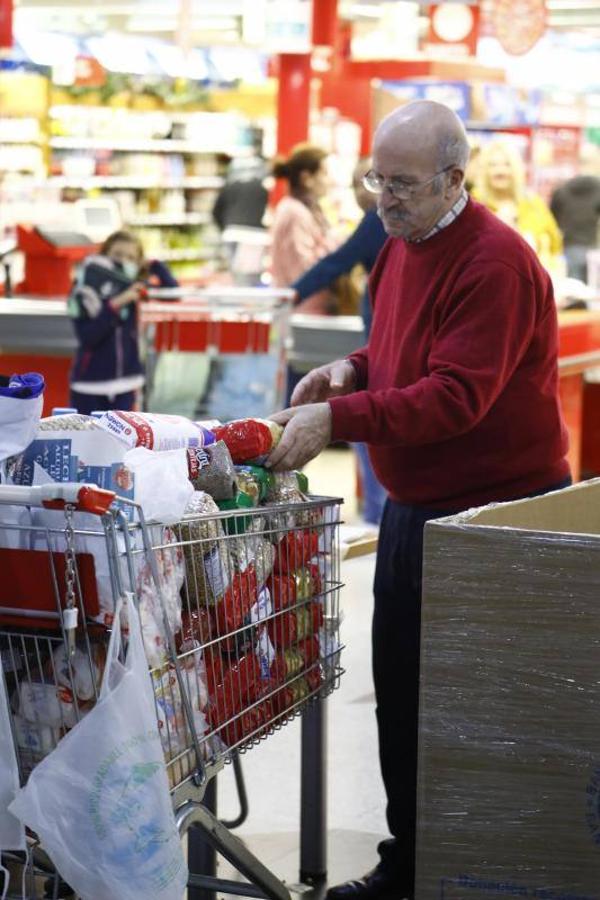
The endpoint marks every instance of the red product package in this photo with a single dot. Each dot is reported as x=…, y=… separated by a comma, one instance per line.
x=197, y=629
x=310, y=651
x=247, y=439
x=214, y=668
x=317, y=614
x=233, y=608
x=290, y=628
x=315, y=576
x=240, y=686
x=283, y=629
x=249, y=723
x=314, y=678
x=295, y=551
x=283, y=591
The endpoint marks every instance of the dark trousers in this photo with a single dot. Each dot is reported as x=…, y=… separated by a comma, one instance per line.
x=87, y=403
x=396, y=651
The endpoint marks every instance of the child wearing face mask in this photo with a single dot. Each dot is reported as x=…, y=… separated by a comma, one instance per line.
x=107, y=370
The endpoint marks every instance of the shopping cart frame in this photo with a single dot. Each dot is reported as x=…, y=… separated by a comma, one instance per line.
x=188, y=796
x=218, y=321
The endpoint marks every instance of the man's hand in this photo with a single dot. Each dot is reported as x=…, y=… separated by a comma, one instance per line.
x=307, y=432
x=333, y=380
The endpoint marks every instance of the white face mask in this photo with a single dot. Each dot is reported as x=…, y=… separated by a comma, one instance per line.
x=130, y=269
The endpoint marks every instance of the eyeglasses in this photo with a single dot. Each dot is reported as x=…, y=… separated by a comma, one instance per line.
x=398, y=188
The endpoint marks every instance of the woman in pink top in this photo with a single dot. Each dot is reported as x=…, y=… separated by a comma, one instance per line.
x=300, y=233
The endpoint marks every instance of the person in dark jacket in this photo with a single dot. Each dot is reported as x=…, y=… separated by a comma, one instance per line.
x=107, y=370
x=361, y=248
x=576, y=208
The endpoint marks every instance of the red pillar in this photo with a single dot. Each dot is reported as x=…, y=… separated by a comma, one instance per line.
x=324, y=22
x=293, y=100
x=6, y=23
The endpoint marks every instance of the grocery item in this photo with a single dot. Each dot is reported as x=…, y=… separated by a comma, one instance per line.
x=254, y=548
x=46, y=704
x=288, y=628
x=287, y=487
x=21, y=401
x=81, y=670
x=207, y=569
x=154, y=431
x=283, y=591
x=250, y=440
x=153, y=599
x=73, y=448
x=211, y=469
x=251, y=724
x=239, y=523
x=240, y=685
x=167, y=470
x=255, y=481
x=234, y=606
x=295, y=550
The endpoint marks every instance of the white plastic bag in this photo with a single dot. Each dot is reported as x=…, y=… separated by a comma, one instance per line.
x=100, y=802
x=12, y=833
x=162, y=485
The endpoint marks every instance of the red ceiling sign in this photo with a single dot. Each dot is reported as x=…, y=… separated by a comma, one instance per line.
x=519, y=24
x=6, y=23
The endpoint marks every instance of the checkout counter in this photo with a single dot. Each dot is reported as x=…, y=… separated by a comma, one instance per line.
x=36, y=335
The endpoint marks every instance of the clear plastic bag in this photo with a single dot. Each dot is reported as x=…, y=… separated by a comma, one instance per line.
x=100, y=801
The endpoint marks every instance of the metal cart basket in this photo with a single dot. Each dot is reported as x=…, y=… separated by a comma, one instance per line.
x=240, y=617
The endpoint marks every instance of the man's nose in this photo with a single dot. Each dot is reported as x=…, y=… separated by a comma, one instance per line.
x=387, y=199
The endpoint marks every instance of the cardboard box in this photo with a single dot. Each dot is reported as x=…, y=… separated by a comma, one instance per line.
x=509, y=779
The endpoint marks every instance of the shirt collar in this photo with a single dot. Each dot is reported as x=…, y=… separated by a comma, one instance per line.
x=446, y=219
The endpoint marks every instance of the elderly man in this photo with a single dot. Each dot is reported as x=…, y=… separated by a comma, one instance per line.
x=456, y=396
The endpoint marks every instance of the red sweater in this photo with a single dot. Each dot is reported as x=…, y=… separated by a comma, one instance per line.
x=457, y=390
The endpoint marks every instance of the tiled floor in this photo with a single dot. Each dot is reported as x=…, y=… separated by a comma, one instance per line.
x=356, y=806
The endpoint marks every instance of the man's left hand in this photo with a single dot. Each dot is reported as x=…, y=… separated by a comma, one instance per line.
x=307, y=432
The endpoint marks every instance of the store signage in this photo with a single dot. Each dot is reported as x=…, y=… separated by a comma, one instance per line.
x=455, y=94
x=518, y=24
x=6, y=23
x=455, y=27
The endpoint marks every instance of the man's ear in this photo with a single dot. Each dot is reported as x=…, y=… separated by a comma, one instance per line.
x=455, y=179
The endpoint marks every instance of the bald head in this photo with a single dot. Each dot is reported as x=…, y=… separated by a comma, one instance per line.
x=427, y=130
x=420, y=153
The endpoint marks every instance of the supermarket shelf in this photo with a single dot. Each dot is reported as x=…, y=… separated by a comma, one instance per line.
x=124, y=182
x=165, y=219
x=159, y=219
x=143, y=146
x=187, y=254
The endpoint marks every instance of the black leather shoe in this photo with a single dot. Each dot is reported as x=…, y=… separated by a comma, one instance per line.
x=375, y=885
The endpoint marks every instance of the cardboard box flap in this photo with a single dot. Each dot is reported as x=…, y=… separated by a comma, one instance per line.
x=574, y=510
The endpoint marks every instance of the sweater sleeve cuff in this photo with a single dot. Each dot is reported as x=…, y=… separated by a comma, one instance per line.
x=349, y=417
x=358, y=362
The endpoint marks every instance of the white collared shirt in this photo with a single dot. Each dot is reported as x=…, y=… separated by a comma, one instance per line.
x=448, y=218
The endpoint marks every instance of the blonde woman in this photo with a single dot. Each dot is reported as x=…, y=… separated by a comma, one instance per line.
x=500, y=185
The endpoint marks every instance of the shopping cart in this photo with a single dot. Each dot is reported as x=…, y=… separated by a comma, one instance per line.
x=240, y=616
x=225, y=347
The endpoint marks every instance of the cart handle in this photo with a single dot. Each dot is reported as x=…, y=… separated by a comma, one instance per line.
x=84, y=497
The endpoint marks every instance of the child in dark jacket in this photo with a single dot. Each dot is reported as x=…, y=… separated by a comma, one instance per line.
x=107, y=370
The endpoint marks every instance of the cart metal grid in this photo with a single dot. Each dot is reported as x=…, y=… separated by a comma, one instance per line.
x=240, y=614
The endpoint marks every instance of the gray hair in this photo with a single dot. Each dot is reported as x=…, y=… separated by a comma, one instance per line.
x=453, y=150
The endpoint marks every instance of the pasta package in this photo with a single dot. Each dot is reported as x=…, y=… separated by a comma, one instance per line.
x=211, y=470
x=154, y=431
x=249, y=440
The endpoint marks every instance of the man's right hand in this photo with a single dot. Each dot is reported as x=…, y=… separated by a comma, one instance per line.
x=333, y=380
